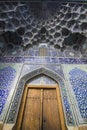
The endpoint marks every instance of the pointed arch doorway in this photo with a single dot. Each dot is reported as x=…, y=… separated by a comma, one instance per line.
x=41, y=108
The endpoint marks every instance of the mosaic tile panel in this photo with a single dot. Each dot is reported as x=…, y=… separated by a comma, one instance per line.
x=68, y=111
x=7, y=75
x=56, y=68
x=67, y=108
x=43, y=60
x=30, y=67
x=27, y=68
x=78, y=79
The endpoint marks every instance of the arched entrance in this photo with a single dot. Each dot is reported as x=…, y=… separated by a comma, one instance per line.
x=22, y=91
x=41, y=106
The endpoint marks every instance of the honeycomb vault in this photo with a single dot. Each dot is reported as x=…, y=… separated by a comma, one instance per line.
x=25, y=25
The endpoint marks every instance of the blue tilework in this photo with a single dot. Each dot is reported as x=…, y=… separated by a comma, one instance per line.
x=57, y=69
x=31, y=52
x=40, y=60
x=66, y=104
x=7, y=75
x=54, y=53
x=28, y=68
x=13, y=111
x=78, y=79
x=68, y=110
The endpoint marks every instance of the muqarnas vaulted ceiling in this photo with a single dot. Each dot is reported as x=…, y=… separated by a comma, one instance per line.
x=25, y=25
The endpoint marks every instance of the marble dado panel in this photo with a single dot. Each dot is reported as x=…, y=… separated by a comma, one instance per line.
x=77, y=77
x=8, y=78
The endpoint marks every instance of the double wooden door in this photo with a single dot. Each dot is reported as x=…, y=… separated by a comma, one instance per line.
x=41, y=111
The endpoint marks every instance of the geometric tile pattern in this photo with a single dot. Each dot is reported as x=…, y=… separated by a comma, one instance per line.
x=57, y=69
x=7, y=75
x=28, y=68
x=45, y=60
x=78, y=79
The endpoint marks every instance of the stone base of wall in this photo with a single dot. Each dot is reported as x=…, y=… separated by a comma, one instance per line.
x=72, y=127
x=1, y=125
x=8, y=127
x=83, y=127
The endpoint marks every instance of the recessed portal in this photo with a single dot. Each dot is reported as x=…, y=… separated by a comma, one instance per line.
x=41, y=106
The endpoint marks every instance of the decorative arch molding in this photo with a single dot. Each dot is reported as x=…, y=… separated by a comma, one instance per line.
x=13, y=112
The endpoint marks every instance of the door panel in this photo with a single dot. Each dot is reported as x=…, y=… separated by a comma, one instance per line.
x=31, y=118
x=51, y=120
x=41, y=110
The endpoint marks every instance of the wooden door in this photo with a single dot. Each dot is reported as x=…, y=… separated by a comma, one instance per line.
x=41, y=110
x=51, y=118
x=31, y=117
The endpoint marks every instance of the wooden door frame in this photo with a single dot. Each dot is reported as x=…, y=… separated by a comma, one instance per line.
x=41, y=86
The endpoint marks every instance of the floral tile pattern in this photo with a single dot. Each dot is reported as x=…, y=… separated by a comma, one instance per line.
x=7, y=75
x=78, y=79
x=68, y=110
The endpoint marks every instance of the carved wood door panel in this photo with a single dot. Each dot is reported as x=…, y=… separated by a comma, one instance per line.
x=31, y=118
x=51, y=120
x=41, y=110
